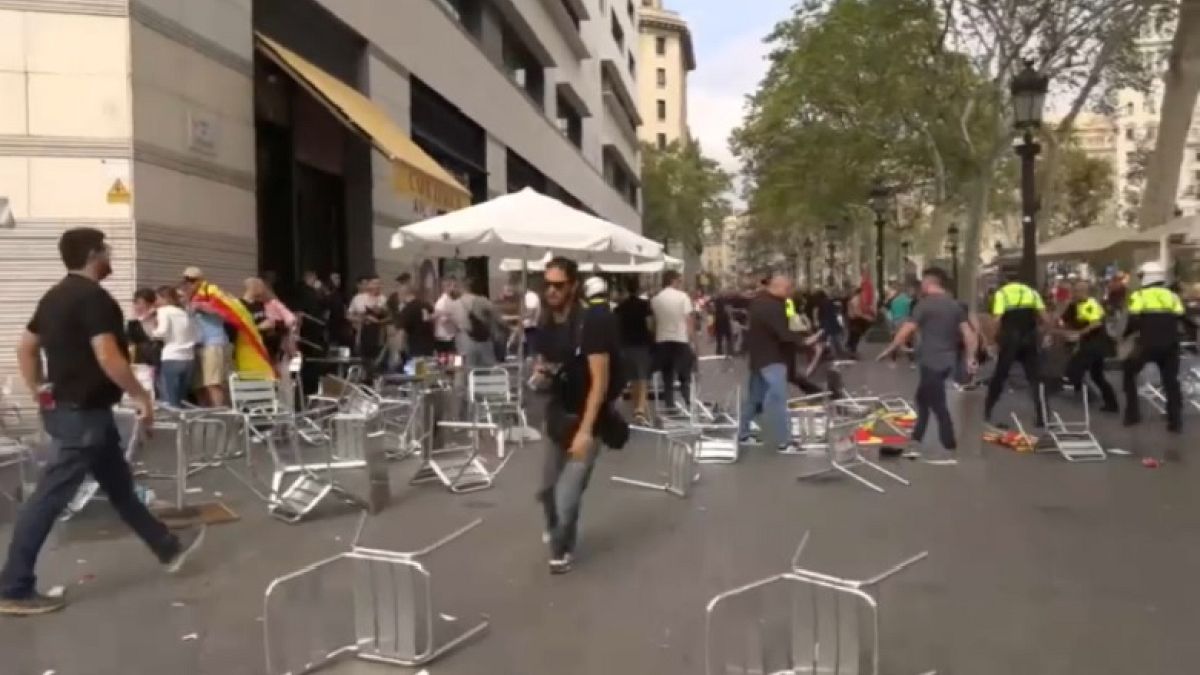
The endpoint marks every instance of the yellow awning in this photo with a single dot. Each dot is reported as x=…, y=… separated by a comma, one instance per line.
x=416, y=174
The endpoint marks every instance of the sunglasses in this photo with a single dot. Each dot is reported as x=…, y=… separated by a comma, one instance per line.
x=557, y=285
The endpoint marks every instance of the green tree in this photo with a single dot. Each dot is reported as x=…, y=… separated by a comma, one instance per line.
x=918, y=91
x=681, y=191
x=1085, y=188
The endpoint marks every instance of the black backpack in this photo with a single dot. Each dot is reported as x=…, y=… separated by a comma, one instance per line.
x=479, y=328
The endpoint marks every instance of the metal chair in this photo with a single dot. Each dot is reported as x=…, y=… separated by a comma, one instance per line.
x=842, y=454
x=353, y=469
x=490, y=394
x=801, y=622
x=675, y=461
x=808, y=422
x=1073, y=440
x=17, y=455
x=373, y=604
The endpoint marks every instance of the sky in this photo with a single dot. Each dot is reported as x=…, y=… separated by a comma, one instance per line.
x=730, y=61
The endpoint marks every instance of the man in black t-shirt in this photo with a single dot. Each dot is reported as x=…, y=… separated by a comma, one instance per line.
x=415, y=323
x=578, y=347
x=635, y=318
x=80, y=330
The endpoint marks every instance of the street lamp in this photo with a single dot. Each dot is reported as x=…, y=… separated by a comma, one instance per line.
x=952, y=244
x=881, y=198
x=1029, y=97
x=905, y=250
x=808, y=254
x=830, y=252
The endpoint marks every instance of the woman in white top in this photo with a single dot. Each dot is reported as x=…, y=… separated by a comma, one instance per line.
x=174, y=327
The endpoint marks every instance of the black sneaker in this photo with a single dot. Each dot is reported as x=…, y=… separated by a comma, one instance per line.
x=31, y=606
x=750, y=440
x=561, y=565
x=189, y=541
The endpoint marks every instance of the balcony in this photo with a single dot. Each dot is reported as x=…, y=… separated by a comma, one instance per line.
x=566, y=17
x=613, y=84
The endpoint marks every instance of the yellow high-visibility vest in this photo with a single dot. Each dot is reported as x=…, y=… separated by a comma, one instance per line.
x=1155, y=300
x=1089, y=312
x=1014, y=296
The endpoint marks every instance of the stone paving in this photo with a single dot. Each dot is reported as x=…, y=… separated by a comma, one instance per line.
x=1036, y=566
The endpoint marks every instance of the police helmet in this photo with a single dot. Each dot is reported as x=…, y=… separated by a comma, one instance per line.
x=594, y=287
x=1151, y=273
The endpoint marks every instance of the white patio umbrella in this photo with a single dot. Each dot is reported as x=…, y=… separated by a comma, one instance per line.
x=651, y=267
x=523, y=225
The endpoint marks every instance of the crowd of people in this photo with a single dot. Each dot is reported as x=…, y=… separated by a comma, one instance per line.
x=589, y=346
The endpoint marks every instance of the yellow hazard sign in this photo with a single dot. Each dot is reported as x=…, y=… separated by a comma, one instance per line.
x=118, y=193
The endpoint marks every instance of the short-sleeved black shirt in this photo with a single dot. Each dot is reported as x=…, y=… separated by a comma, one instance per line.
x=67, y=317
x=591, y=330
x=416, y=320
x=632, y=314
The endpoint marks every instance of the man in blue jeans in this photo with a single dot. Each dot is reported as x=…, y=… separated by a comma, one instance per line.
x=769, y=343
x=945, y=335
x=79, y=328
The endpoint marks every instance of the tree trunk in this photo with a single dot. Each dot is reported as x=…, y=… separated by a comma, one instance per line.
x=1182, y=85
x=977, y=209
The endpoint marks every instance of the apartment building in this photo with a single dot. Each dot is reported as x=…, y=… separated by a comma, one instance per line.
x=252, y=135
x=665, y=47
x=1127, y=135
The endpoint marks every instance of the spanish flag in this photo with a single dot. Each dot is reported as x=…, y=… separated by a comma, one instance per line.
x=250, y=357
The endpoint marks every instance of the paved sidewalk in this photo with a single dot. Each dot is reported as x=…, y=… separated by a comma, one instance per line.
x=1036, y=566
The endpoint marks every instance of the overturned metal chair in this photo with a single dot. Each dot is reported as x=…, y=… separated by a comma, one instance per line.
x=354, y=469
x=808, y=422
x=1073, y=440
x=675, y=461
x=801, y=622
x=459, y=468
x=841, y=454
x=372, y=604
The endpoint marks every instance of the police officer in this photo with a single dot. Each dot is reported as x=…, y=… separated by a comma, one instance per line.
x=1019, y=310
x=1155, y=313
x=1085, y=316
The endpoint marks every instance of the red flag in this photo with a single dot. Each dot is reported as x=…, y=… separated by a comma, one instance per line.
x=868, y=292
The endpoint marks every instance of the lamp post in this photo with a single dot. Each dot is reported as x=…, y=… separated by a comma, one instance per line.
x=808, y=254
x=952, y=245
x=830, y=253
x=880, y=202
x=1029, y=97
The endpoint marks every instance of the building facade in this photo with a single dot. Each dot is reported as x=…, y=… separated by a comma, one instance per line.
x=165, y=124
x=1126, y=137
x=666, y=58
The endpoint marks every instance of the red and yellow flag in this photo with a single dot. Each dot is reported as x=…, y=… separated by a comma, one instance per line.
x=250, y=358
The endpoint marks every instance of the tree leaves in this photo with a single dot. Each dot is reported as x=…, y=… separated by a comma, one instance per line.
x=682, y=190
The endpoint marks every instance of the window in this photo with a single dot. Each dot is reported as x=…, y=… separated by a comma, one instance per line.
x=662, y=109
x=1196, y=176
x=618, y=33
x=660, y=46
x=662, y=141
x=524, y=68
x=569, y=122
x=632, y=66
x=661, y=77
x=632, y=11
x=1129, y=108
x=1129, y=133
